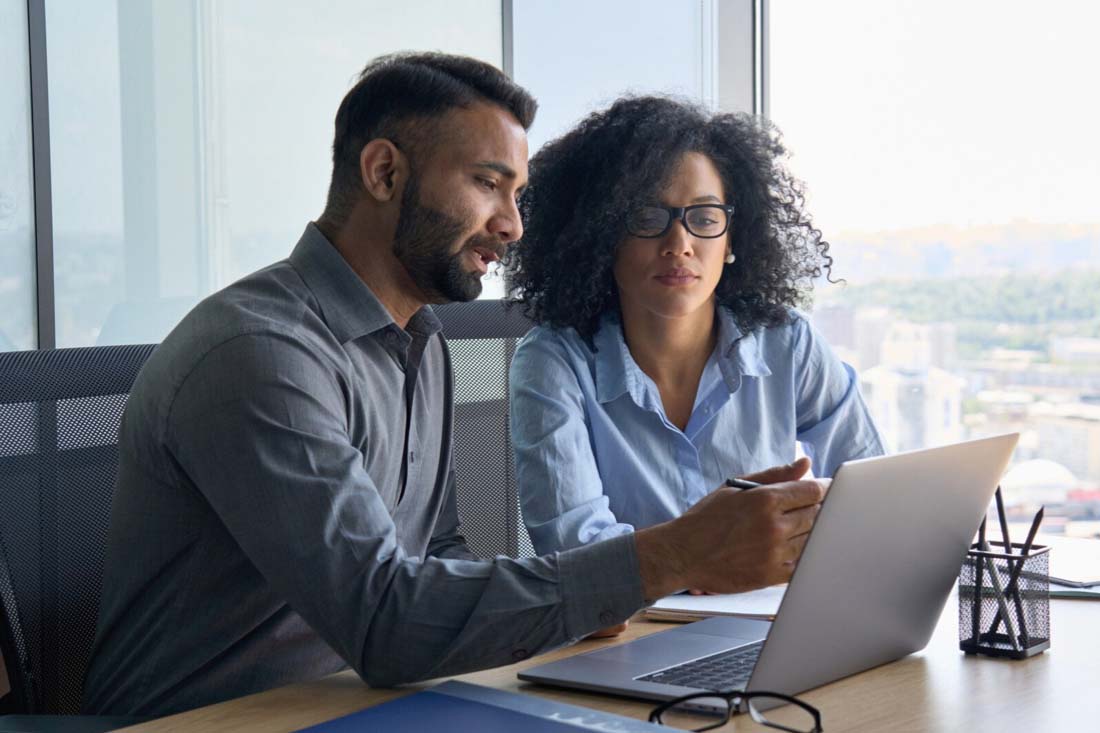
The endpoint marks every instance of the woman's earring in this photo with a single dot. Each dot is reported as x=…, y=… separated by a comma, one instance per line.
x=730, y=258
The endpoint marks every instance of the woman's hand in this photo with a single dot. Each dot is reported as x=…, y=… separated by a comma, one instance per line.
x=779, y=474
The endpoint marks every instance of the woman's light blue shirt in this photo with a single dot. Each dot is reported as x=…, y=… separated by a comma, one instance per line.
x=596, y=456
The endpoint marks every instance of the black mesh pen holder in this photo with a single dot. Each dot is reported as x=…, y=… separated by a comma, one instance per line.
x=1004, y=602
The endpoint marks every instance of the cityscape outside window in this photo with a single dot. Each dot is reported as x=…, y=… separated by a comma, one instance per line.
x=951, y=159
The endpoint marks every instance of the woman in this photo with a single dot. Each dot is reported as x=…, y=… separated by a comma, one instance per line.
x=665, y=249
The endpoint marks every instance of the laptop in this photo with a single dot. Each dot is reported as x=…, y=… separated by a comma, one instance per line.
x=876, y=571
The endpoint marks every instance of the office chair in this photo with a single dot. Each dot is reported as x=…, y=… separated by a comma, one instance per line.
x=59, y=418
x=482, y=336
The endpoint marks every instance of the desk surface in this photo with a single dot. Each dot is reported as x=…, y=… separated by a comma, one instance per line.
x=937, y=689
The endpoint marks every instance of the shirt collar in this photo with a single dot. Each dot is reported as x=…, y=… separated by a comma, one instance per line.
x=348, y=306
x=739, y=353
x=617, y=373
x=616, y=370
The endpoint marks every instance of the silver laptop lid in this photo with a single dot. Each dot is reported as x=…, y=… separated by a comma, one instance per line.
x=880, y=562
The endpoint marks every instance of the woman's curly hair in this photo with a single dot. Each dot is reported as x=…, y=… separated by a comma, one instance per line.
x=583, y=184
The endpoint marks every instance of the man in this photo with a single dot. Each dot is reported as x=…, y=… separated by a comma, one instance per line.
x=285, y=503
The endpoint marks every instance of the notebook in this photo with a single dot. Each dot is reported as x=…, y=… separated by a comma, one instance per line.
x=759, y=604
x=1058, y=590
x=1074, y=561
x=460, y=706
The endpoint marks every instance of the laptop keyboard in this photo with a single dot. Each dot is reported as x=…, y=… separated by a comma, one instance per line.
x=727, y=670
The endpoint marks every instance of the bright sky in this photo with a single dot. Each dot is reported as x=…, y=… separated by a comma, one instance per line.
x=899, y=113
x=281, y=70
x=927, y=112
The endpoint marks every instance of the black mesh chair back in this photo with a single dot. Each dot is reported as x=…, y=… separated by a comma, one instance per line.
x=59, y=418
x=482, y=336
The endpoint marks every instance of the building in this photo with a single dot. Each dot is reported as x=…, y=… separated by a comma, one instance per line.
x=1038, y=482
x=870, y=328
x=1076, y=351
x=837, y=323
x=915, y=408
x=1070, y=435
x=920, y=345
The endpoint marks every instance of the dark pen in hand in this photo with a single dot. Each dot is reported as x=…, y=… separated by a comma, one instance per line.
x=740, y=483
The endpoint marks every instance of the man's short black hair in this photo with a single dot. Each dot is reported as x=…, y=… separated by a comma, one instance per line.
x=395, y=96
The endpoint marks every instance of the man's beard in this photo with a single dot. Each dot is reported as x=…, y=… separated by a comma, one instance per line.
x=424, y=242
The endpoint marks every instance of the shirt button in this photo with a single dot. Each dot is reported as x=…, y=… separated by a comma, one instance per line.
x=519, y=655
x=606, y=618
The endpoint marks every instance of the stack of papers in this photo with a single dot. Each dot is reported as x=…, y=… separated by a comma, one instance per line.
x=1073, y=560
x=1074, y=567
x=759, y=604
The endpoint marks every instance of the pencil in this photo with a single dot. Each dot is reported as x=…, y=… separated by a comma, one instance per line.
x=1004, y=522
x=996, y=580
x=1017, y=569
x=976, y=614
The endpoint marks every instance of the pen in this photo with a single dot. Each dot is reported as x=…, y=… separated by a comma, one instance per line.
x=1014, y=579
x=1004, y=522
x=976, y=614
x=740, y=483
x=1006, y=541
x=1009, y=627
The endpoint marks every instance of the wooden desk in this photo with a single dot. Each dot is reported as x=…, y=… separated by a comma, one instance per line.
x=937, y=689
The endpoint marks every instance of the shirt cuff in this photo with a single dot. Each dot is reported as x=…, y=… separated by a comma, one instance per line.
x=601, y=585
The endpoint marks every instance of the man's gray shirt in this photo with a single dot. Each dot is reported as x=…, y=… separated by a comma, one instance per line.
x=284, y=511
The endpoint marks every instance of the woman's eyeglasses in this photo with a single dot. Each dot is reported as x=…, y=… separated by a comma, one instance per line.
x=709, y=710
x=705, y=221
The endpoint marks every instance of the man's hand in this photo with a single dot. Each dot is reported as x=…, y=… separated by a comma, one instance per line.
x=732, y=541
x=774, y=475
x=609, y=631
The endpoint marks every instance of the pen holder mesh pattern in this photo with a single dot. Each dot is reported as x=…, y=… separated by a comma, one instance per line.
x=994, y=585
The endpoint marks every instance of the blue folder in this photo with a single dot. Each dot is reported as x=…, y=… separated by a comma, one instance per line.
x=460, y=706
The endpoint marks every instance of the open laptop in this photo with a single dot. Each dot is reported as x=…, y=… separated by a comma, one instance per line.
x=870, y=587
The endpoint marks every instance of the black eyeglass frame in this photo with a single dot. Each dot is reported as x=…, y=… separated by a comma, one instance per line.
x=680, y=213
x=734, y=700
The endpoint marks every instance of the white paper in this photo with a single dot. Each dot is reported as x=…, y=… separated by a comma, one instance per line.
x=1071, y=558
x=763, y=603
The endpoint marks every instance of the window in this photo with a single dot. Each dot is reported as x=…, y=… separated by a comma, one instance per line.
x=17, y=266
x=577, y=56
x=951, y=158
x=191, y=142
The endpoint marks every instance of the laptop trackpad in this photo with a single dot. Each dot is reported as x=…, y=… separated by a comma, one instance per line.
x=685, y=643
